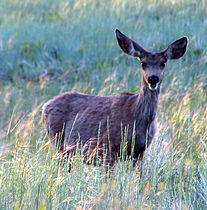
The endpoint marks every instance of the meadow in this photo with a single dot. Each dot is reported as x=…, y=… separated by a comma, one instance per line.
x=52, y=46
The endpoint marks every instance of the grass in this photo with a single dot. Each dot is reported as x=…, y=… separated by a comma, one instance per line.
x=48, y=47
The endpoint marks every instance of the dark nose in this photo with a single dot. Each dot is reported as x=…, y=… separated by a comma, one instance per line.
x=153, y=80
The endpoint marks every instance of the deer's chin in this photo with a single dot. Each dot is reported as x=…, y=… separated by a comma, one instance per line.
x=153, y=87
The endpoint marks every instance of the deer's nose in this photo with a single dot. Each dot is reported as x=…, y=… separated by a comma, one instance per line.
x=153, y=80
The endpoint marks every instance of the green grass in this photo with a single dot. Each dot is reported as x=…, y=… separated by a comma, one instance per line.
x=48, y=47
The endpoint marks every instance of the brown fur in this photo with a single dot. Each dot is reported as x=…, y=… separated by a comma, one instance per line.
x=99, y=124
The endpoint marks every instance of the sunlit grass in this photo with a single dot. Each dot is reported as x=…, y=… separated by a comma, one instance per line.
x=49, y=47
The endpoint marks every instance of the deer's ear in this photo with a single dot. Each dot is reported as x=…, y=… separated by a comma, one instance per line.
x=129, y=46
x=176, y=49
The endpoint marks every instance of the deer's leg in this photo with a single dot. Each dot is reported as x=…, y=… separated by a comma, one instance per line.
x=151, y=132
x=69, y=152
x=98, y=153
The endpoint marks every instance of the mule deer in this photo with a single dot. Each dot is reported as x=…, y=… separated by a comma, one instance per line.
x=96, y=122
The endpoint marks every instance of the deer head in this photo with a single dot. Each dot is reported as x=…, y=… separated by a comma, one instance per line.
x=153, y=63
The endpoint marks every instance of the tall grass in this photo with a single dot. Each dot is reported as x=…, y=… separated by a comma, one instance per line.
x=48, y=47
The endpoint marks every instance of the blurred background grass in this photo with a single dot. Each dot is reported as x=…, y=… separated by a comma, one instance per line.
x=52, y=46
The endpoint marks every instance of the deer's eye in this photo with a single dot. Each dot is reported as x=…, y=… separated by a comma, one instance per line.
x=162, y=65
x=144, y=65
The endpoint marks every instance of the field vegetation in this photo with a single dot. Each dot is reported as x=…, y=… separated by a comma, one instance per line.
x=52, y=46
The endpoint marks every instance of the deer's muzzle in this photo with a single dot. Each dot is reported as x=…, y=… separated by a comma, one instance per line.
x=153, y=82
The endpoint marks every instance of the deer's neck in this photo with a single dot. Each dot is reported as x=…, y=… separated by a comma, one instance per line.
x=146, y=104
